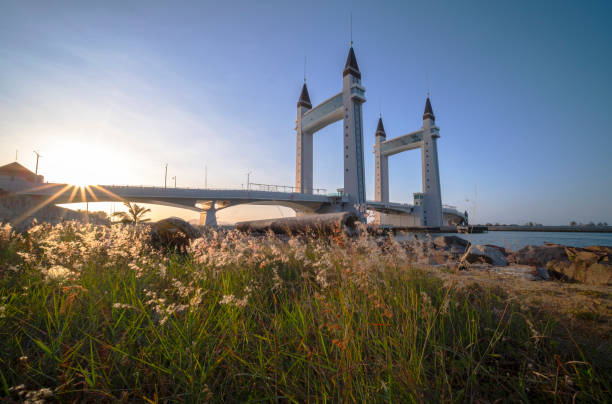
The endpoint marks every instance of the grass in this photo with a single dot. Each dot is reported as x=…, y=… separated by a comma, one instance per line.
x=95, y=315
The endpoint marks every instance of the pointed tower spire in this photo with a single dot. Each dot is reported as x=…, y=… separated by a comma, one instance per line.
x=428, y=114
x=380, y=129
x=304, y=100
x=351, y=66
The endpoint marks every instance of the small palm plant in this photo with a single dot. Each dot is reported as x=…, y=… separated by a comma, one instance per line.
x=135, y=213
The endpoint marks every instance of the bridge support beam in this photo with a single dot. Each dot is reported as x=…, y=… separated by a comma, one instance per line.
x=353, y=96
x=208, y=218
x=432, y=198
x=381, y=180
x=303, y=166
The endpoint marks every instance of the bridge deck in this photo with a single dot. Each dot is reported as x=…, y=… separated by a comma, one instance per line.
x=189, y=198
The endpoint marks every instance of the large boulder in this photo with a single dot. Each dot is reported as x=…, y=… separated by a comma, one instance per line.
x=483, y=253
x=539, y=255
x=589, y=255
x=590, y=265
x=172, y=234
x=592, y=274
x=319, y=223
x=601, y=250
x=454, y=244
x=498, y=248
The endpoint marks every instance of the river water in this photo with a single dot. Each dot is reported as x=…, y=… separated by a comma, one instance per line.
x=518, y=239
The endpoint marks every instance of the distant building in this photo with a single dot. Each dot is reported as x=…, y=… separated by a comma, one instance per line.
x=15, y=171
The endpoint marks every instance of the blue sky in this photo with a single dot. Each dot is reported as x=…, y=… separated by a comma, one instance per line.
x=522, y=93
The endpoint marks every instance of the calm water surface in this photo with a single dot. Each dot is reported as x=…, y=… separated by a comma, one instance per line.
x=519, y=239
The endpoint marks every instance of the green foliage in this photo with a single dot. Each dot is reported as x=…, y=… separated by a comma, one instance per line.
x=247, y=319
x=135, y=213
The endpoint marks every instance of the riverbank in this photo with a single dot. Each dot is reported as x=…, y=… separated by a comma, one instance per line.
x=563, y=229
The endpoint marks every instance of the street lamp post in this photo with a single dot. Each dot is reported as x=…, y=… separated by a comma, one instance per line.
x=166, y=177
x=37, y=157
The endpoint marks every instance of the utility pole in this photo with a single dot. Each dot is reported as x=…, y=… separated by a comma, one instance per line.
x=174, y=178
x=37, y=157
x=166, y=177
x=249, y=180
x=475, y=200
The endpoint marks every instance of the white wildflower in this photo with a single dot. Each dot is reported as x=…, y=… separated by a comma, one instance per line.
x=242, y=302
x=444, y=308
x=57, y=272
x=196, y=299
x=227, y=299
x=38, y=396
x=123, y=306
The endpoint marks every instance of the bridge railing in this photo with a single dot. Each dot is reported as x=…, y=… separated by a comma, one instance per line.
x=170, y=187
x=251, y=187
x=282, y=188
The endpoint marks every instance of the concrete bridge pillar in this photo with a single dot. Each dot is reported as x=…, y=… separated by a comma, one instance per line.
x=303, y=166
x=353, y=96
x=381, y=181
x=432, y=198
x=209, y=217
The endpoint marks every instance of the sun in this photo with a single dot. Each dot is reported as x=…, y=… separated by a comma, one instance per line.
x=80, y=184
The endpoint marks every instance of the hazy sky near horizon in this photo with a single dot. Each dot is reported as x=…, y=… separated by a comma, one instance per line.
x=522, y=93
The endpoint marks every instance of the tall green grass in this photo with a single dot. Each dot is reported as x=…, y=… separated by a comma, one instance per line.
x=244, y=319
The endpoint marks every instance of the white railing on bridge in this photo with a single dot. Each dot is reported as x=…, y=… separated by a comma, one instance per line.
x=251, y=187
x=171, y=187
x=282, y=188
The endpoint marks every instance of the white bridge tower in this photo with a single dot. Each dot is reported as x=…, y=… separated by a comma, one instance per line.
x=426, y=140
x=345, y=106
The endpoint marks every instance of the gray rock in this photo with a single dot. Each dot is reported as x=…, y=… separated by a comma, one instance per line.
x=453, y=244
x=539, y=255
x=483, y=253
x=543, y=273
x=590, y=265
x=319, y=223
x=500, y=249
x=172, y=234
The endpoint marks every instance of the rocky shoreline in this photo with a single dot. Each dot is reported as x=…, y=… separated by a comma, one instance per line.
x=589, y=265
